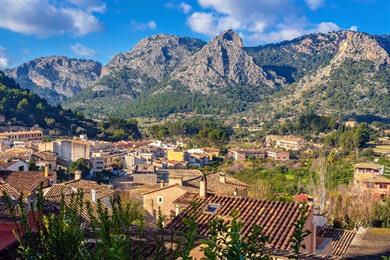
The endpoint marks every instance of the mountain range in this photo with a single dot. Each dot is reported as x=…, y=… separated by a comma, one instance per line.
x=343, y=72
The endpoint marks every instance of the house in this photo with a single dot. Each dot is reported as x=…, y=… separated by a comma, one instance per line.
x=351, y=123
x=197, y=159
x=5, y=143
x=68, y=149
x=15, y=165
x=27, y=182
x=174, y=155
x=186, y=182
x=138, y=158
x=277, y=155
x=276, y=218
x=91, y=189
x=377, y=186
x=45, y=158
x=240, y=155
x=287, y=142
x=33, y=135
x=23, y=154
x=369, y=167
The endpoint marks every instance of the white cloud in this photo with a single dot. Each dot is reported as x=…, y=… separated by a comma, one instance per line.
x=136, y=26
x=314, y=4
x=258, y=21
x=90, y=6
x=44, y=18
x=182, y=6
x=185, y=8
x=326, y=27
x=353, y=28
x=3, y=58
x=204, y=23
x=82, y=50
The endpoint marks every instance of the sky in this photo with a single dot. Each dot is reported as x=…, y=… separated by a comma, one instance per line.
x=99, y=29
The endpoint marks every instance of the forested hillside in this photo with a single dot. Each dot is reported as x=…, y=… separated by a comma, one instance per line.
x=22, y=107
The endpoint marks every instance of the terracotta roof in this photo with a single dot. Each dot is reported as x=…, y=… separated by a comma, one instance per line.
x=371, y=243
x=277, y=218
x=103, y=190
x=52, y=204
x=8, y=189
x=25, y=182
x=369, y=165
x=341, y=239
x=47, y=156
x=363, y=177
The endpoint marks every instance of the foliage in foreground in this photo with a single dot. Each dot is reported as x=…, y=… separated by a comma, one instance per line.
x=63, y=233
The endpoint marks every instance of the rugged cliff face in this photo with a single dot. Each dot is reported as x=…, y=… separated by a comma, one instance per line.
x=221, y=63
x=56, y=77
x=354, y=80
x=155, y=56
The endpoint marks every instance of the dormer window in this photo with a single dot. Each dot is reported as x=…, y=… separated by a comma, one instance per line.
x=160, y=200
x=212, y=208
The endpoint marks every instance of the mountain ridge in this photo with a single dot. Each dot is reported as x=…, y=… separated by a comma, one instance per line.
x=163, y=65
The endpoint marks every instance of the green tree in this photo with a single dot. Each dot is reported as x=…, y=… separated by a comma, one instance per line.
x=82, y=165
x=227, y=242
x=23, y=105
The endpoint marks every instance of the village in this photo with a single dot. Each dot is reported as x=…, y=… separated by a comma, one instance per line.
x=166, y=177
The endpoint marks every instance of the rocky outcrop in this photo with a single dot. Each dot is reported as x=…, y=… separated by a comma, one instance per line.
x=155, y=56
x=56, y=77
x=221, y=63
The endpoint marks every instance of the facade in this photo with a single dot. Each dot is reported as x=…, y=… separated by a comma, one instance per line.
x=240, y=155
x=177, y=156
x=45, y=158
x=68, y=149
x=377, y=186
x=162, y=199
x=5, y=143
x=277, y=155
x=287, y=142
x=138, y=158
x=189, y=182
x=33, y=135
x=14, y=166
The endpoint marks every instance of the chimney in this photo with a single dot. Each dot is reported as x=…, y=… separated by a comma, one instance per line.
x=175, y=180
x=222, y=177
x=77, y=175
x=46, y=174
x=94, y=195
x=161, y=184
x=203, y=187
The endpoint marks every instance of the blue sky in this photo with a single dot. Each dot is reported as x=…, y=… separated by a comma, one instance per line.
x=98, y=29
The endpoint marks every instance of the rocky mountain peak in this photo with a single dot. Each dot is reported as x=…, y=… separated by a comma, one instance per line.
x=155, y=56
x=232, y=36
x=221, y=63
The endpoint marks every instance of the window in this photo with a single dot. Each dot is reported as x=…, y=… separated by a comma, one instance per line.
x=21, y=168
x=212, y=208
x=382, y=186
x=160, y=199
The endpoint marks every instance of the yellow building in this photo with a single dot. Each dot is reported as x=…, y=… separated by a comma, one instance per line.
x=178, y=156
